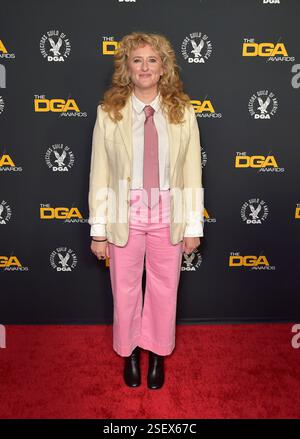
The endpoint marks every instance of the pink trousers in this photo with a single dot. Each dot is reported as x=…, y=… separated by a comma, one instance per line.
x=152, y=324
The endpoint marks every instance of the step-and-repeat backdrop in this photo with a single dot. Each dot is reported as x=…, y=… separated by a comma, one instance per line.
x=240, y=64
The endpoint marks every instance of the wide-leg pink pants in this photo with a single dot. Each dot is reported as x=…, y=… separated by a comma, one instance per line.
x=152, y=324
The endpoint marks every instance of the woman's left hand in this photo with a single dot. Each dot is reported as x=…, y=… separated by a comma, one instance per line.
x=190, y=244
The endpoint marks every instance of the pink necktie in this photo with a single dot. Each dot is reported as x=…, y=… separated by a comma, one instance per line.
x=151, y=168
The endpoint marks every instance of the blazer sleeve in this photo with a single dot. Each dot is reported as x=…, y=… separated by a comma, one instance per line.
x=193, y=188
x=98, y=179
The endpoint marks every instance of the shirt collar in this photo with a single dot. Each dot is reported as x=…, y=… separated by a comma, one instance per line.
x=139, y=105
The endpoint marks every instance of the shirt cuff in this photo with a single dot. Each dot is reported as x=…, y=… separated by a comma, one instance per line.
x=193, y=231
x=98, y=230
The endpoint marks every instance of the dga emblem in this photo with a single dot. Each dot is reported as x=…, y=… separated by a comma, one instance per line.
x=63, y=259
x=1, y=104
x=59, y=158
x=5, y=212
x=192, y=261
x=254, y=211
x=55, y=46
x=263, y=104
x=196, y=48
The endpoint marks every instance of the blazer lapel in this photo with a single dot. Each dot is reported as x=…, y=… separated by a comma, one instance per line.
x=125, y=127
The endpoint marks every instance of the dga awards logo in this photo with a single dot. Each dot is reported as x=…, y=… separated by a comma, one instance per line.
x=191, y=262
x=262, y=163
x=208, y=218
x=5, y=212
x=1, y=105
x=196, y=48
x=252, y=262
x=4, y=53
x=271, y=51
x=263, y=104
x=66, y=107
x=11, y=263
x=254, y=211
x=205, y=109
x=63, y=259
x=59, y=158
x=7, y=164
x=109, y=45
x=54, y=46
x=61, y=213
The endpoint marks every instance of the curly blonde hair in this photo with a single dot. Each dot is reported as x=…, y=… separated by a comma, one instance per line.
x=170, y=86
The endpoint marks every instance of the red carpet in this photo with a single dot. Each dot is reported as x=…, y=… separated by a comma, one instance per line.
x=215, y=371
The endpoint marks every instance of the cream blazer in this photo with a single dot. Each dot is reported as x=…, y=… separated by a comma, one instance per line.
x=111, y=173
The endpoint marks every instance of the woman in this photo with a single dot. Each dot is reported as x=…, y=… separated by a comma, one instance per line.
x=145, y=197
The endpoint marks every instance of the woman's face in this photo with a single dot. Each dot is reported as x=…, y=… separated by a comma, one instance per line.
x=145, y=67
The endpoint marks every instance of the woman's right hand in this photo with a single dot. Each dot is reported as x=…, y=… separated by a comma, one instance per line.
x=100, y=249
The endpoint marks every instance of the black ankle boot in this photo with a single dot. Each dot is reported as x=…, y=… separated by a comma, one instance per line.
x=132, y=372
x=156, y=375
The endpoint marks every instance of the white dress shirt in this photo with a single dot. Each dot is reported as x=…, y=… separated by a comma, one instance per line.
x=194, y=228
